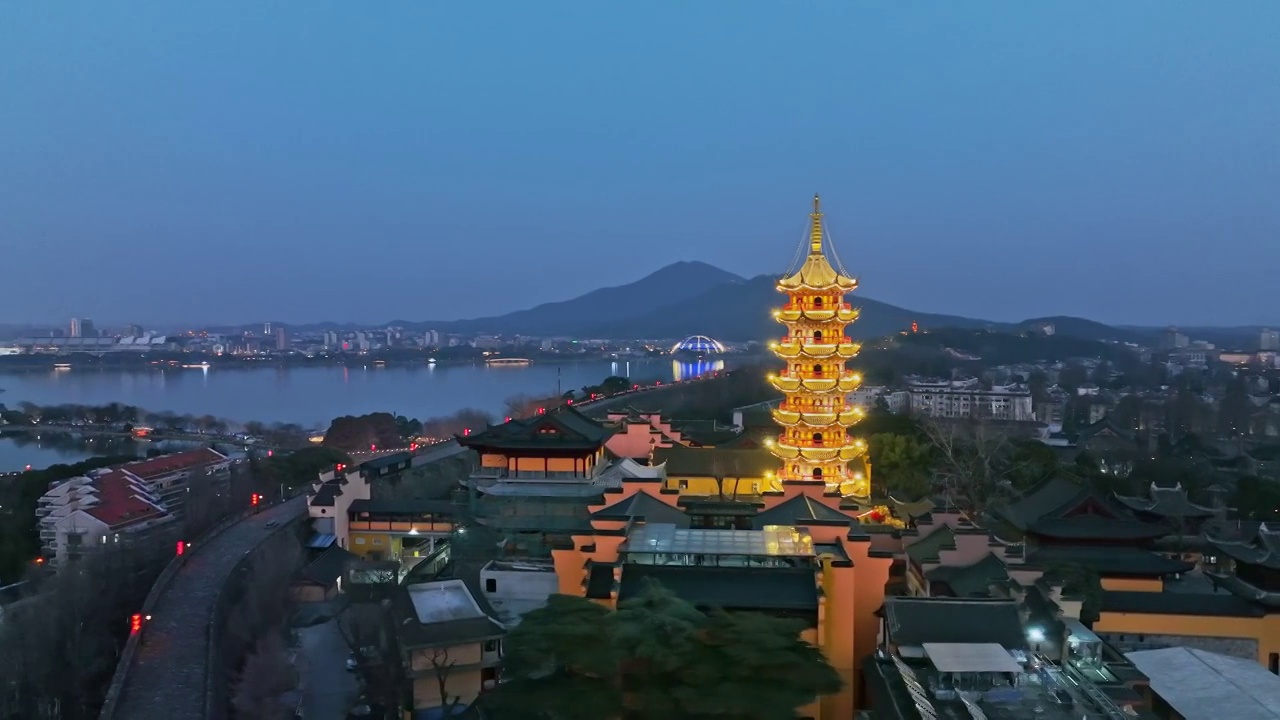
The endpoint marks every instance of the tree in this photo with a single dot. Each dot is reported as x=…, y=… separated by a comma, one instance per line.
x=656, y=658
x=903, y=464
x=1235, y=410
x=973, y=460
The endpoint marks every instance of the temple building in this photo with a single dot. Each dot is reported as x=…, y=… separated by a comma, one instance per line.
x=537, y=476
x=815, y=446
x=1235, y=613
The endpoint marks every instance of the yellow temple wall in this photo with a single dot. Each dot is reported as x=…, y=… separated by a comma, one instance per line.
x=1264, y=630
x=1133, y=584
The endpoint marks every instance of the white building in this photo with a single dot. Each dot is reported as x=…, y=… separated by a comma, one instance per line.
x=77, y=515
x=968, y=399
x=122, y=502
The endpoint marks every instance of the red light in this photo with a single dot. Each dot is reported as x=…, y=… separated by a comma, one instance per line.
x=28, y=468
x=466, y=431
x=373, y=448
x=569, y=402
x=635, y=387
x=542, y=411
x=508, y=419
x=135, y=624
x=270, y=453
x=182, y=547
x=413, y=446
x=340, y=467
x=39, y=561
x=254, y=500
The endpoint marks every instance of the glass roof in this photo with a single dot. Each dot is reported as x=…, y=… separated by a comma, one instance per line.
x=771, y=540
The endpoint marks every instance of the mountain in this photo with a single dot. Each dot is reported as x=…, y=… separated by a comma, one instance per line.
x=673, y=284
x=742, y=311
x=1075, y=327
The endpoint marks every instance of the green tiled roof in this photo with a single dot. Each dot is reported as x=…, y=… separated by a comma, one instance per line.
x=792, y=589
x=926, y=550
x=797, y=511
x=971, y=580
x=561, y=428
x=642, y=506
x=1120, y=560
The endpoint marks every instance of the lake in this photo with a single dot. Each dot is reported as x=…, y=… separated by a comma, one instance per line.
x=309, y=396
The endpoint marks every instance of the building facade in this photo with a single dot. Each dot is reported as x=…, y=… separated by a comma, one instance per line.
x=968, y=399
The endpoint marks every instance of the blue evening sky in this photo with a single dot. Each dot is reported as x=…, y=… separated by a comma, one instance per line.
x=235, y=161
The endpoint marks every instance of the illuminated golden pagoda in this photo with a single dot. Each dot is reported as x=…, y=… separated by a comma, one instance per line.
x=815, y=445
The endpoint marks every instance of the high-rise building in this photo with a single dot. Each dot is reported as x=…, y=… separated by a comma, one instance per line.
x=282, y=339
x=82, y=327
x=815, y=446
x=266, y=329
x=135, y=331
x=1270, y=340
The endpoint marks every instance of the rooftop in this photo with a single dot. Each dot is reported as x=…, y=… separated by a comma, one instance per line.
x=1201, y=685
x=913, y=621
x=441, y=613
x=560, y=428
x=768, y=541
x=791, y=590
x=971, y=657
x=165, y=464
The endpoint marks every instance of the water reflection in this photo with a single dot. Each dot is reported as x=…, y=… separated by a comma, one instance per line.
x=688, y=370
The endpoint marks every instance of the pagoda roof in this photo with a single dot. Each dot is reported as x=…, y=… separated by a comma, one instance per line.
x=1114, y=560
x=1263, y=549
x=1167, y=502
x=643, y=506
x=799, y=510
x=561, y=428
x=817, y=273
x=973, y=580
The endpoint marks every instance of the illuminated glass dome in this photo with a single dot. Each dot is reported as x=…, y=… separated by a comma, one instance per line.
x=698, y=344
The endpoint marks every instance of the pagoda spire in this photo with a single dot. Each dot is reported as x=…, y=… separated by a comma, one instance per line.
x=815, y=227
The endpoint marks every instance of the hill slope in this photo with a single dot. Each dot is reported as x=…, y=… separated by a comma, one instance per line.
x=672, y=284
x=742, y=311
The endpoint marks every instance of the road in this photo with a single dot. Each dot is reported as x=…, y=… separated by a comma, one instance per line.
x=167, y=678
x=327, y=686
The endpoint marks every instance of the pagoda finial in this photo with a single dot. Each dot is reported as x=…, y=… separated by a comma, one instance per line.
x=815, y=229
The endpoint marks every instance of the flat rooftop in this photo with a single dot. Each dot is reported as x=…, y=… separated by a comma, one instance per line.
x=443, y=601
x=1202, y=685
x=769, y=541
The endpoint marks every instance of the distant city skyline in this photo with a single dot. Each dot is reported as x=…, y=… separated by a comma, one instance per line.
x=169, y=164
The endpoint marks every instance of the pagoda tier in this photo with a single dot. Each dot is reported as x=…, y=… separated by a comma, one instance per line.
x=815, y=416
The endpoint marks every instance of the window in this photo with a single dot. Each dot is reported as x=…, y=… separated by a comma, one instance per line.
x=359, y=541
x=377, y=541
x=1273, y=663
x=683, y=484
x=490, y=645
x=490, y=585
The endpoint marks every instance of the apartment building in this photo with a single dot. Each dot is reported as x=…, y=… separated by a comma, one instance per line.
x=969, y=399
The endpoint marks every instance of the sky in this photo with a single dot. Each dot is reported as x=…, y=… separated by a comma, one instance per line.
x=171, y=162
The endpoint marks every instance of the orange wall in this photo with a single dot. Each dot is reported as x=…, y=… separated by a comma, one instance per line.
x=1266, y=629
x=1133, y=584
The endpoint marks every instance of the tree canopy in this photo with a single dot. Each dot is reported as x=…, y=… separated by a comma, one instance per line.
x=657, y=657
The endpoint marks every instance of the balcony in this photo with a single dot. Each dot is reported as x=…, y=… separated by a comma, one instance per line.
x=797, y=311
x=822, y=415
x=816, y=382
x=841, y=447
x=840, y=346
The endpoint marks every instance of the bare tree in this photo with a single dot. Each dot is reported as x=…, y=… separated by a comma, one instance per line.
x=364, y=628
x=441, y=667
x=267, y=674
x=973, y=459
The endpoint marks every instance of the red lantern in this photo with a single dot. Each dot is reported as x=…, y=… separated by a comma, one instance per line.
x=182, y=547
x=135, y=623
